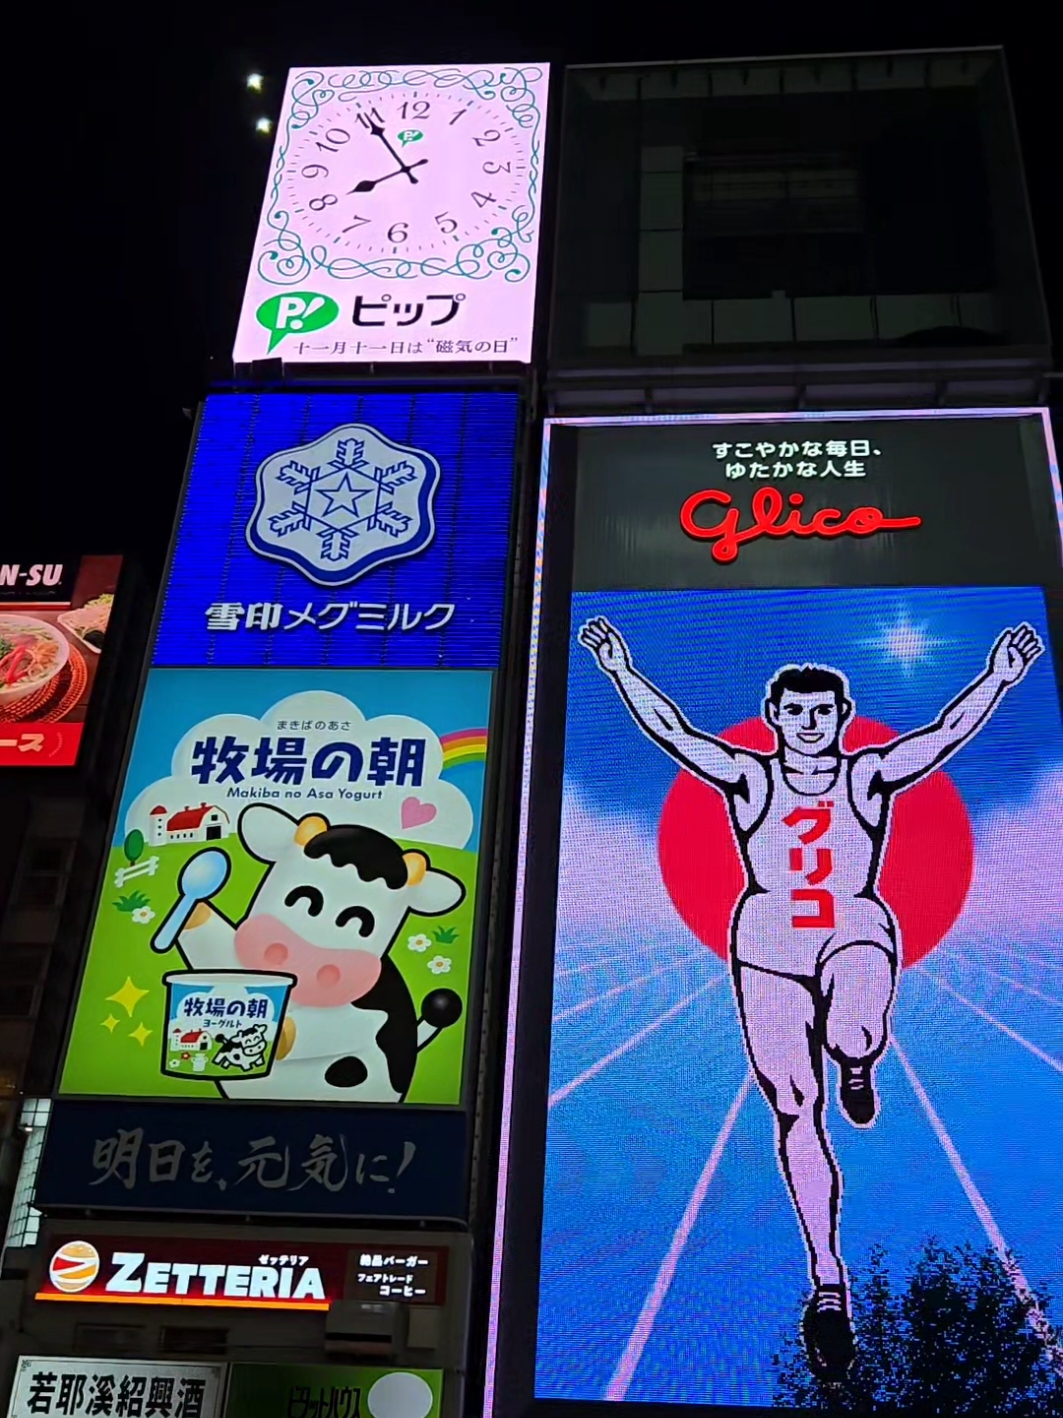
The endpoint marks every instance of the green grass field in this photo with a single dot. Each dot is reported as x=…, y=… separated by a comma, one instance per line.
x=116, y=1041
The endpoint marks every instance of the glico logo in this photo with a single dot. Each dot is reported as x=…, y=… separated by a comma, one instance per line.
x=766, y=509
x=74, y=1267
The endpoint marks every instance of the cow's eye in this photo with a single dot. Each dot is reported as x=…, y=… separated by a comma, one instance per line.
x=366, y=920
x=310, y=894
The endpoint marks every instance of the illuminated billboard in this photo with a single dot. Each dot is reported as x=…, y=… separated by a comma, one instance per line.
x=400, y=223
x=345, y=530
x=236, y=1274
x=806, y=908
x=53, y=623
x=294, y=852
x=290, y=912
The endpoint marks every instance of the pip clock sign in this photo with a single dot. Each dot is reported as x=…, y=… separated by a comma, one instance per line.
x=405, y=201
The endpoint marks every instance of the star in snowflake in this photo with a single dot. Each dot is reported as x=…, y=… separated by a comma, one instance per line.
x=328, y=501
x=347, y=502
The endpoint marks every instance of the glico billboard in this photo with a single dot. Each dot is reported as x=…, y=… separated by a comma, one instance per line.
x=289, y=912
x=790, y=919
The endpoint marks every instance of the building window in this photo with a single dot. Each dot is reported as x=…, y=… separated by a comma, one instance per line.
x=24, y=1224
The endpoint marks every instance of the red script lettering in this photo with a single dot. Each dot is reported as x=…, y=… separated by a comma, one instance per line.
x=767, y=507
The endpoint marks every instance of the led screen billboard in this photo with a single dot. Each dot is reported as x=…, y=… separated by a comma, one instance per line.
x=793, y=800
x=344, y=529
x=294, y=852
x=53, y=623
x=400, y=223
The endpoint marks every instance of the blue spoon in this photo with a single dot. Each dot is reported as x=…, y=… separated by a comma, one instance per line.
x=201, y=876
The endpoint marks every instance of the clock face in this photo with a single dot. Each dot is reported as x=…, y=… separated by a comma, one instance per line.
x=407, y=173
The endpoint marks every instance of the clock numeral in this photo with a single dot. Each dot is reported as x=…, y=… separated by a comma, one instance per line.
x=318, y=204
x=492, y=135
x=399, y=232
x=446, y=223
x=493, y=167
x=460, y=114
x=420, y=109
x=339, y=136
x=314, y=169
x=480, y=198
x=356, y=222
x=373, y=117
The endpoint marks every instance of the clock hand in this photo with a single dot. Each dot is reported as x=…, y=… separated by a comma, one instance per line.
x=368, y=183
x=377, y=130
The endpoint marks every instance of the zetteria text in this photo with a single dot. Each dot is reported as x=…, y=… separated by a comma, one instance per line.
x=237, y=1282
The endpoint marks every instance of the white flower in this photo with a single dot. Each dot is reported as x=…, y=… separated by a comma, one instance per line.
x=439, y=965
x=420, y=943
x=143, y=914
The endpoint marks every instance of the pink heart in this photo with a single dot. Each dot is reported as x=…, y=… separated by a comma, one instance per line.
x=416, y=813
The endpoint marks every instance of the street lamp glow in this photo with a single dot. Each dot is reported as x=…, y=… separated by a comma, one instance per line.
x=254, y=82
x=264, y=125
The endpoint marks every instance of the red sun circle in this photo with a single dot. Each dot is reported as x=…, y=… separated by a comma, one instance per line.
x=925, y=875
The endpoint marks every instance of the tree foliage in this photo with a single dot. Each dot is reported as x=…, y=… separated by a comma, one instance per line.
x=952, y=1339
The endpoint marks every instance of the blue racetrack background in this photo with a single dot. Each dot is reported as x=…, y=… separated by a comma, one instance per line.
x=672, y=1264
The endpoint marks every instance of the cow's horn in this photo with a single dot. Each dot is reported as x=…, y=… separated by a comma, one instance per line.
x=416, y=866
x=308, y=827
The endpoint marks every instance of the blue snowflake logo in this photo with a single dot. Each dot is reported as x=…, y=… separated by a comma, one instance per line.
x=352, y=500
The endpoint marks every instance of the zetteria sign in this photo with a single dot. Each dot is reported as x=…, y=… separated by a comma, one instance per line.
x=162, y=1271
x=348, y=530
x=401, y=218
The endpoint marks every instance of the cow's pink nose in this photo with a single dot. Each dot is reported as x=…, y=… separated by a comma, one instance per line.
x=324, y=978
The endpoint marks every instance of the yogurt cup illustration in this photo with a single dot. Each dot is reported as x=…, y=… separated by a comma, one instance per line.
x=223, y=1023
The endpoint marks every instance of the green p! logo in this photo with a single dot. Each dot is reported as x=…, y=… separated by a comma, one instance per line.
x=297, y=313
x=410, y=135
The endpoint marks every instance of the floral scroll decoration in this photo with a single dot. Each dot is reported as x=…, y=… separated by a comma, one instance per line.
x=284, y=260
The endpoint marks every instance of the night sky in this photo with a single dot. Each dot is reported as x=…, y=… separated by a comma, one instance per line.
x=136, y=176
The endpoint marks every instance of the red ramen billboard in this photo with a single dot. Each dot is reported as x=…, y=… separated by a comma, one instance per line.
x=53, y=623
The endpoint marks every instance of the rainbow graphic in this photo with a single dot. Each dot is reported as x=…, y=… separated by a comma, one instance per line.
x=463, y=746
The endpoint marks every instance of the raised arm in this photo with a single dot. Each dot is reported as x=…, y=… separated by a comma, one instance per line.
x=919, y=753
x=709, y=758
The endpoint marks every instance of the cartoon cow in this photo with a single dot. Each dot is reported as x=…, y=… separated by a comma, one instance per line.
x=244, y=1050
x=327, y=911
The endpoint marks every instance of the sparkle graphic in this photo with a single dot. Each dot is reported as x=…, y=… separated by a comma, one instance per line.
x=140, y=1034
x=906, y=641
x=128, y=996
x=110, y=1023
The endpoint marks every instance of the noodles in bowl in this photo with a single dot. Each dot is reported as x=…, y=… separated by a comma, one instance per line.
x=31, y=654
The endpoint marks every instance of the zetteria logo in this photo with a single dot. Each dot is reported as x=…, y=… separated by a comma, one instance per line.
x=280, y=1282
x=74, y=1267
x=766, y=508
x=352, y=500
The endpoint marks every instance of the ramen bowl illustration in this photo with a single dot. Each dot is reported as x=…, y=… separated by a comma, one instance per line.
x=223, y=1024
x=32, y=653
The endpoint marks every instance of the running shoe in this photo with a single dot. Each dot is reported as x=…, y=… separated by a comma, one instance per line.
x=856, y=1093
x=828, y=1333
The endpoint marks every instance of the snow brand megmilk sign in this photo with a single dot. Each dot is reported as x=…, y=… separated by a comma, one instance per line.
x=344, y=530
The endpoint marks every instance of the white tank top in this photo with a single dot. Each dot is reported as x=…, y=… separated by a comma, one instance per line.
x=810, y=841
